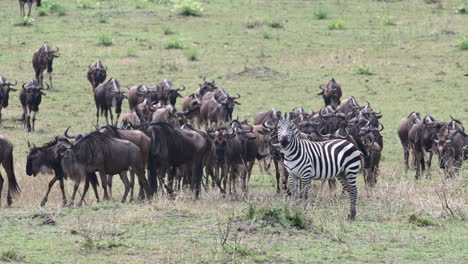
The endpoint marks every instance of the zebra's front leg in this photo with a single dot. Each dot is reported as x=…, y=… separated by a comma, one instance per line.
x=293, y=184
x=305, y=185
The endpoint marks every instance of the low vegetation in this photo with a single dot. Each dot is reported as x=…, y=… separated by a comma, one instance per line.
x=321, y=13
x=463, y=43
x=24, y=21
x=365, y=70
x=188, y=8
x=174, y=44
x=191, y=54
x=336, y=25
x=105, y=39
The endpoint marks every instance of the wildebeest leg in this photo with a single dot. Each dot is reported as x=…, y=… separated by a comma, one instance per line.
x=406, y=158
x=419, y=163
x=132, y=184
x=51, y=184
x=85, y=190
x=104, y=185
x=106, y=113
x=123, y=177
x=75, y=190
x=30, y=5
x=109, y=185
x=21, y=8
x=33, y=114
x=152, y=178
x=94, y=184
x=112, y=117
x=429, y=163
x=62, y=188
x=50, y=80
x=1, y=187
x=278, y=175
x=97, y=115
x=197, y=175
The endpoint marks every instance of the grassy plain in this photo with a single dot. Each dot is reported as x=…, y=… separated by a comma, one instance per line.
x=416, y=64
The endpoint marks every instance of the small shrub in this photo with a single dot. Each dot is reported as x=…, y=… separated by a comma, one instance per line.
x=388, y=21
x=88, y=244
x=131, y=52
x=275, y=24
x=321, y=13
x=253, y=24
x=251, y=211
x=54, y=7
x=191, y=54
x=365, y=70
x=142, y=4
x=463, y=43
x=420, y=220
x=10, y=256
x=266, y=35
x=297, y=220
x=174, y=44
x=102, y=19
x=188, y=8
x=168, y=30
x=336, y=25
x=462, y=8
x=105, y=39
x=430, y=1
x=41, y=11
x=25, y=21
x=85, y=4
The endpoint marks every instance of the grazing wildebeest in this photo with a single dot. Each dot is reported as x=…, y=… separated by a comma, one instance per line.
x=172, y=148
x=44, y=160
x=403, y=130
x=99, y=152
x=107, y=95
x=30, y=97
x=97, y=73
x=449, y=144
x=29, y=2
x=5, y=89
x=6, y=159
x=421, y=143
x=331, y=94
x=42, y=60
x=138, y=138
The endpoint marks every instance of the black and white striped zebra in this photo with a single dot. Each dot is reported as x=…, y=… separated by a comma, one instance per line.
x=306, y=160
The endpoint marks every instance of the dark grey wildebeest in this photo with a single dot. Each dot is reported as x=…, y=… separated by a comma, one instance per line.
x=107, y=95
x=6, y=159
x=403, y=130
x=29, y=2
x=42, y=60
x=97, y=73
x=5, y=89
x=30, y=98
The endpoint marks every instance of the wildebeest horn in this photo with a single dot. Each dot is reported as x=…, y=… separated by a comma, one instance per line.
x=105, y=68
x=380, y=124
x=238, y=96
x=267, y=125
x=16, y=82
x=96, y=127
x=29, y=144
x=89, y=67
x=66, y=133
x=179, y=90
x=48, y=87
x=379, y=112
x=24, y=86
x=57, y=49
x=248, y=130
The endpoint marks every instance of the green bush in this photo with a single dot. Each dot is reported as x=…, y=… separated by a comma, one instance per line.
x=168, y=30
x=191, y=54
x=105, y=39
x=275, y=24
x=188, y=8
x=54, y=7
x=11, y=256
x=462, y=8
x=463, y=43
x=266, y=35
x=142, y=4
x=41, y=11
x=420, y=220
x=174, y=44
x=131, y=52
x=365, y=70
x=278, y=216
x=336, y=25
x=102, y=19
x=321, y=13
x=85, y=4
x=24, y=21
x=388, y=21
x=253, y=24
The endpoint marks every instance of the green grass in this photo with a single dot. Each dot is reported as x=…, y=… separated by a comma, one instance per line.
x=431, y=1
x=275, y=24
x=11, y=256
x=24, y=21
x=174, y=44
x=415, y=64
x=388, y=21
x=266, y=34
x=105, y=39
x=462, y=8
x=463, y=43
x=188, y=8
x=191, y=54
x=85, y=4
x=101, y=18
x=141, y=4
x=320, y=14
x=365, y=70
x=168, y=30
x=336, y=25
x=54, y=7
x=42, y=11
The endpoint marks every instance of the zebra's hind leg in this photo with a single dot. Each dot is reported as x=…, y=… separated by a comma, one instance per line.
x=305, y=185
x=350, y=186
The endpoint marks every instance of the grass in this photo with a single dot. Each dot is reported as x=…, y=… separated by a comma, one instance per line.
x=305, y=54
x=275, y=24
x=54, y=7
x=101, y=18
x=336, y=25
x=320, y=14
x=365, y=70
x=141, y=4
x=431, y=1
x=24, y=21
x=85, y=4
x=11, y=256
x=463, y=43
x=188, y=8
x=462, y=8
x=191, y=54
x=42, y=11
x=253, y=24
x=105, y=39
x=174, y=44
x=266, y=34
x=388, y=21
x=168, y=30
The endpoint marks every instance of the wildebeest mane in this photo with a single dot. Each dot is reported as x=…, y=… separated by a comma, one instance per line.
x=113, y=131
x=87, y=147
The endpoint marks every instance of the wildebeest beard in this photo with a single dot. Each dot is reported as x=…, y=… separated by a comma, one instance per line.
x=4, y=98
x=49, y=66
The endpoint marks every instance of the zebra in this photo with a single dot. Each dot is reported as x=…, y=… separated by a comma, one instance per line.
x=306, y=160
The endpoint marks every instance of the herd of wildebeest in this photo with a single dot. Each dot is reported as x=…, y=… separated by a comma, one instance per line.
x=202, y=146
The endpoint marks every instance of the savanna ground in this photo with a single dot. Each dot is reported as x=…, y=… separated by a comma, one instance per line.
x=275, y=54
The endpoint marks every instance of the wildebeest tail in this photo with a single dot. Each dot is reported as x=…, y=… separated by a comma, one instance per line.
x=12, y=183
x=38, y=2
x=93, y=179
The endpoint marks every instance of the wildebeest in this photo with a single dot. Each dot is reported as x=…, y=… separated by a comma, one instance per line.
x=107, y=155
x=44, y=159
x=331, y=94
x=172, y=148
x=30, y=98
x=29, y=2
x=449, y=144
x=403, y=130
x=371, y=159
x=107, y=95
x=5, y=89
x=42, y=60
x=97, y=73
x=348, y=105
x=421, y=143
x=192, y=104
x=138, y=93
x=168, y=114
x=6, y=159
x=272, y=114
x=217, y=108
x=130, y=120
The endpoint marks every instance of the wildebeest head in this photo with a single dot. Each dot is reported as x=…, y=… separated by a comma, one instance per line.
x=5, y=89
x=42, y=159
x=331, y=93
x=172, y=95
x=97, y=73
x=228, y=105
x=48, y=54
x=220, y=136
x=206, y=86
x=117, y=96
x=34, y=93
